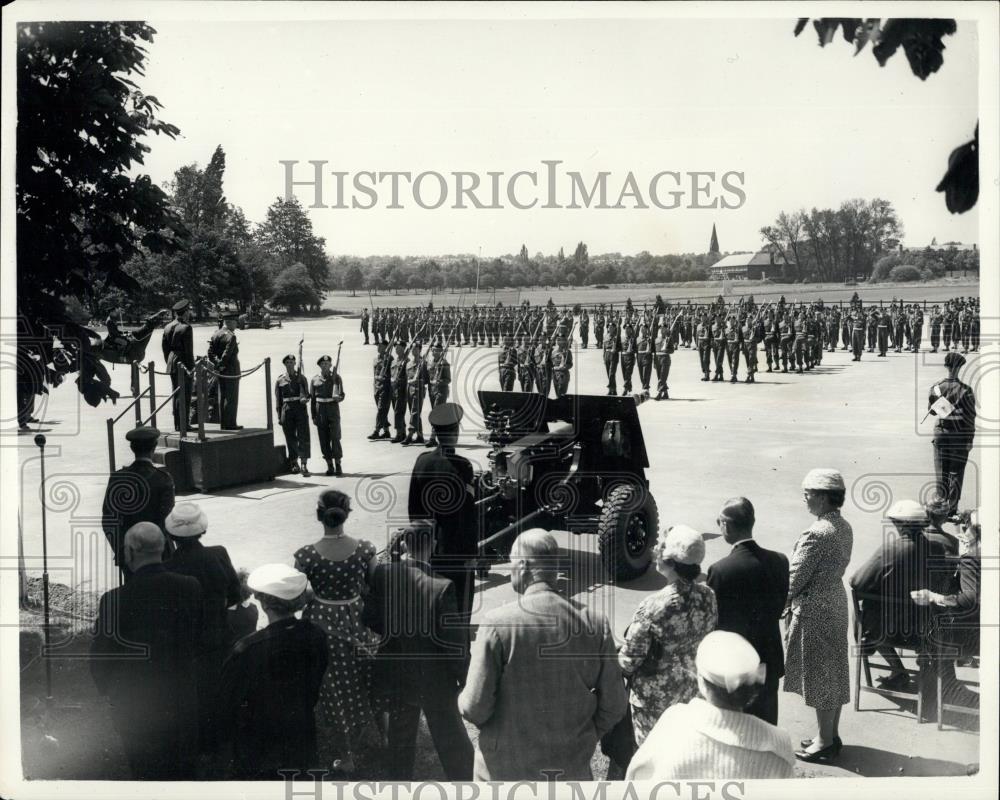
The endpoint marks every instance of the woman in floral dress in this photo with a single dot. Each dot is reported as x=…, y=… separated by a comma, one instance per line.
x=665, y=631
x=816, y=616
x=339, y=567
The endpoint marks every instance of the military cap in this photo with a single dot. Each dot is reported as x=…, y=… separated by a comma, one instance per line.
x=180, y=305
x=228, y=316
x=445, y=416
x=286, y=359
x=143, y=433
x=321, y=359
x=953, y=360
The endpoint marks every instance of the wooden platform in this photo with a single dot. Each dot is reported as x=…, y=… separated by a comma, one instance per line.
x=224, y=458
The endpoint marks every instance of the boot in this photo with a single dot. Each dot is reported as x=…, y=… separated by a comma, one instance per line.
x=733, y=379
x=398, y=438
x=293, y=468
x=329, y=467
x=705, y=377
x=385, y=434
x=305, y=470
x=374, y=435
x=418, y=439
x=431, y=442
x=338, y=470
x=666, y=394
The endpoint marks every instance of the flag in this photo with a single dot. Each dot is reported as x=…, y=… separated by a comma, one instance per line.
x=941, y=408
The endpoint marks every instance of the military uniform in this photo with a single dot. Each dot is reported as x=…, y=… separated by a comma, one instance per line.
x=857, y=334
x=562, y=362
x=787, y=334
x=628, y=358
x=223, y=352
x=748, y=340
x=382, y=387
x=438, y=386
x=291, y=393
x=882, y=327
x=771, y=343
x=397, y=371
x=543, y=368
x=584, y=328
x=611, y=353
x=733, y=347
x=416, y=386
x=663, y=347
x=327, y=394
x=644, y=358
x=703, y=333
x=507, y=367
x=599, y=329
x=953, y=436
x=525, y=367
x=718, y=347
x=365, y=319
x=178, y=352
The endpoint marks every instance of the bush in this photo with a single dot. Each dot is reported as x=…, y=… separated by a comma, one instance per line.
x=885, y=265
x=904, y=273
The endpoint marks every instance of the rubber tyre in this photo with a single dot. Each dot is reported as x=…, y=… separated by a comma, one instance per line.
x=612, y=534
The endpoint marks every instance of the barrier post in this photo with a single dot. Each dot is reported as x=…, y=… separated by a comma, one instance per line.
x=180, y=400
x=111, y=445
x=202, y=400
x=134, y=365
x=152, y=395
x=267, y=393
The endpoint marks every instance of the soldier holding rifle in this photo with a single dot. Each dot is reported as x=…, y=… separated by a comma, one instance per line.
x=291, y=395
x=327, y=395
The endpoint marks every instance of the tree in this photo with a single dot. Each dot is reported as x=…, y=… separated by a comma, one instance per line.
x=82, y=212
x=353, y=278
x=286, y=235
x=294, y=289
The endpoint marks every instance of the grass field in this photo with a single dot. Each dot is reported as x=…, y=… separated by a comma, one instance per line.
x=697, y=292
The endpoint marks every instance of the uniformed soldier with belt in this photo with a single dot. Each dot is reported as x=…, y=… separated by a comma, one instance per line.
x=846, y=331
x=916, y=325
x=507, y=365
x=383, y=391
x=525, y=367
x=178, y=352
x=599, y=327
x=584, y=328
x=439, y=382
x=872, y=327
x=857, y=334
x=787, y=337
x=291, y=396
x=771, y=341
x=748, y=341
x=953, y=404
x=718, y=345
x=664, y=346
x=628, y=357
x=223, y=353
x=644, y=357
x=327, y=395
x=562, y=363
x=416, y=388
x=882, y=328
x=801, y=339
x=397, y=371
x=543, y=365
x=612, y=348
x=703, y=333
x=733, y=347
x=365, y=319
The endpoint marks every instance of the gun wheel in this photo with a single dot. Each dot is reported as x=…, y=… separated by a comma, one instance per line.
x=625, y=534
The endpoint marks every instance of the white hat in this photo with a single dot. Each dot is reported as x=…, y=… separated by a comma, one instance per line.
x=186, y=519
x=728, y=660
x=907, y=511
x=682, y=544
x=278, y=580
x=824, y=479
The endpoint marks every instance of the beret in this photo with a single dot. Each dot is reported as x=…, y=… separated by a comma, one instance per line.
x=186, y=519
x=180, y=305
x=143, y=434
x=446, y=415
x=727, y=660
x=321, y=359
x=288, y=358
x=278, y=580
x=824, y=479
x=682, y=544
x=907, y=511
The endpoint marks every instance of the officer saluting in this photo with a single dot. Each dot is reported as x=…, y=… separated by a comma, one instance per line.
x=327, y=394
x=178, y=352
x=291, y=394
x=442, y=491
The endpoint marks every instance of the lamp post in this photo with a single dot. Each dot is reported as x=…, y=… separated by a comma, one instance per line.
x=40, y=441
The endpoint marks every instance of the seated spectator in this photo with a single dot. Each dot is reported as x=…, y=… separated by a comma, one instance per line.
x=242, y=617
x=270, y=682
x=712, y=737
x=955, y=622
x=144, y=660
x=658, y=654
x=937, y=515
x=540, y=718
x=423, y=657
x=186, y=524
x=884, y=583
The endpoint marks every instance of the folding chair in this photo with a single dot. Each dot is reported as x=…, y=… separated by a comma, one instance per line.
x=861, y=660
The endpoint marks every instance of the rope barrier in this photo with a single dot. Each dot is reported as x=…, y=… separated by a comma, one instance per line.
x=243, y=374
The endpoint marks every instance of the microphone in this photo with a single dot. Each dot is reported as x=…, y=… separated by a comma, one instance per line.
x=40, y=440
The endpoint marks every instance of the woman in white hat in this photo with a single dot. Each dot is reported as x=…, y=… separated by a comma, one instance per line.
x=817, y=618
x=271, y=682
x=712, y=737
x=660, y=644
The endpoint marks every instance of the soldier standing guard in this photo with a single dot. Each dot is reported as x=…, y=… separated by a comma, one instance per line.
x=857, y=334
x=718, y=345
x=178, y=352
x=507, y=365
x=562, y=362
x=383, y=391
x=882, y=327
x=223, y=353
x=771, y=341
x=327, y=394
x=733, y=346
x=749, y=339
x=416, y=383
x=439, y=385
x=800, y=341
x=525, y=368
x=663, y=348
x=644, y=357
x=628, y=358
x=397, y=370
x=364, y=324
x=703, y=333
x=291, y=394
x=584, y=328
x=599, y=327
x=543, y=366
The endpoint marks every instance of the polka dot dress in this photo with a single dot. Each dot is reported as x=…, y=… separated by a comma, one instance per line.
x=344, y=695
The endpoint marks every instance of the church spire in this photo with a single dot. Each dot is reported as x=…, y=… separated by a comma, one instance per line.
x=713, y=246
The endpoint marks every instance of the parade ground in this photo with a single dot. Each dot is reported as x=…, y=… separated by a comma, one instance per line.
x=709, y=442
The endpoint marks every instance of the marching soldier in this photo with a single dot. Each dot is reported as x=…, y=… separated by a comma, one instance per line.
x=507, y=365
x=383, y=391
x=787, y=334
x=733, y=347
x=562, y=362
x=327, y=394
x=223, y=353
x=801, y=338
x=628, y=357
x=543, y=366
x=599, y=328
x=364, y=323
x=771, y=341
x=291, y=394
x=882, y=328
x=416, y=383
x=439, y=382
x=584, y=328
x=663, y=348
x=703, y=333
x=525, y=369
x=397, y=370
x=178, y=352
x=718, y=345
x=612, y=346
x=644, y=357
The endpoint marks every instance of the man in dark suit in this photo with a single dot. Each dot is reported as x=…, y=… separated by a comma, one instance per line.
x=178, y=351
x=140, y=492
x=423, y=658
x=751, y=586
x=143, y=660
x=441, y=490
x=220, y=588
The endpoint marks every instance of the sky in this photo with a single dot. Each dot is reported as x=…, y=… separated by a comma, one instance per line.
x=806, y=126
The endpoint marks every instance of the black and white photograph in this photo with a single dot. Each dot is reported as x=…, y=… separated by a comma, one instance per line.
x=594, y=400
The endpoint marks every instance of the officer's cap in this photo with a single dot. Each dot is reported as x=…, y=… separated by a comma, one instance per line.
x=953, y=360
x=229, y=316
x=446, y=416
x=143, y=434
x=288, y=358
x=180, y=305
x=321, y=359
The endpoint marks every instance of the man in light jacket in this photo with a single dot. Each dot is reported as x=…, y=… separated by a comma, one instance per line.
x=544, y=684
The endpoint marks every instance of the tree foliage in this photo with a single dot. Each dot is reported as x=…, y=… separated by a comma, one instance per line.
x=294, y=289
